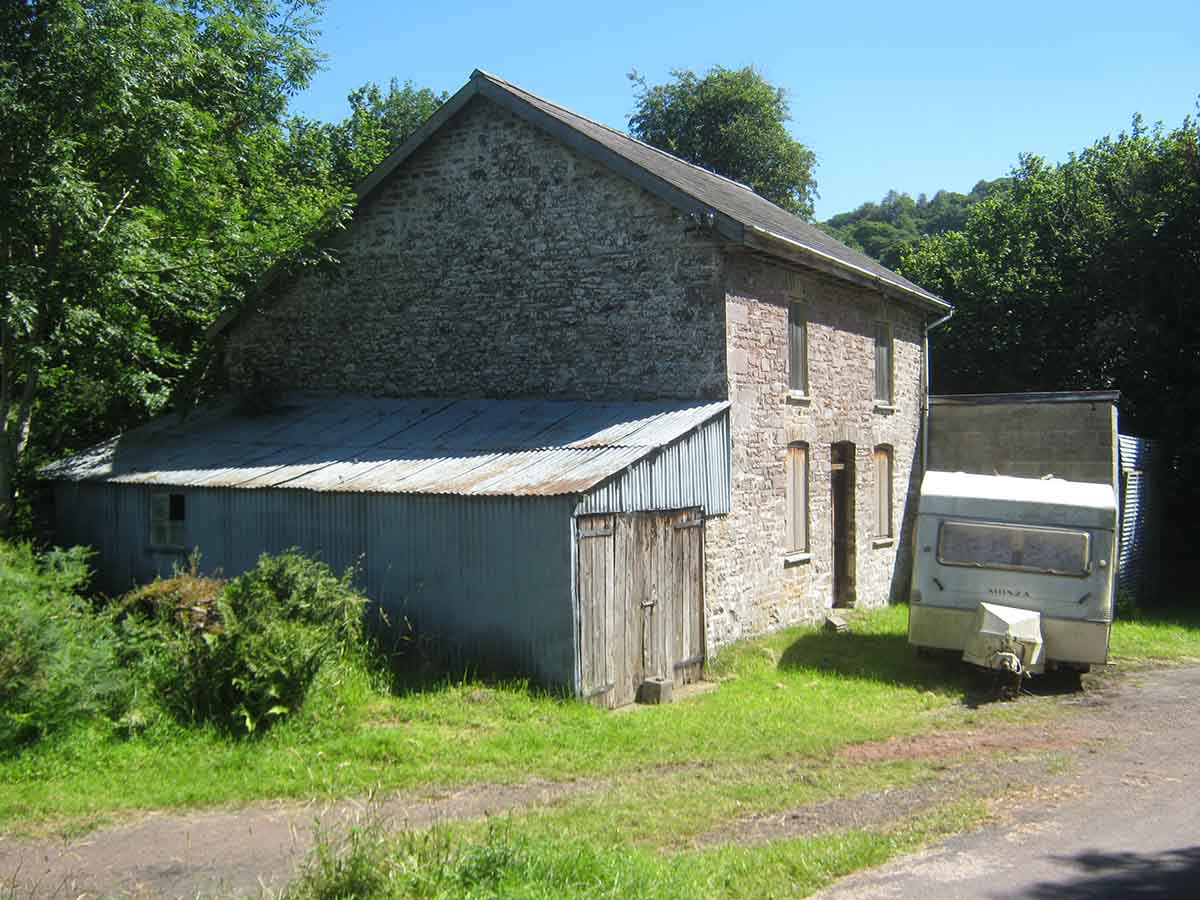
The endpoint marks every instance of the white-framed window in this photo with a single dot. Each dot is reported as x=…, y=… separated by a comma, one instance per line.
x=883, y=362
x=882, y=458
x=168, y=520
x=797, y=349
x=797, y=498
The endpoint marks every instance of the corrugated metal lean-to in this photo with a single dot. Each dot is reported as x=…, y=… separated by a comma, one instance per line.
x=457, y=514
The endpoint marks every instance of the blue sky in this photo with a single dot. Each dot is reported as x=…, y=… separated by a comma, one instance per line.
x=911, y=96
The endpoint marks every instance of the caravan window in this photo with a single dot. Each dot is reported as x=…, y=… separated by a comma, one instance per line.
x=988, y=545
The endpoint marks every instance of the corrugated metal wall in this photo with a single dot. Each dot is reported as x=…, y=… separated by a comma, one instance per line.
x=1142, y=465
x=692, y=471
x=493, y=573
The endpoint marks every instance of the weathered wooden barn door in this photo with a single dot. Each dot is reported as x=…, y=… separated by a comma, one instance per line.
x=600, y=608
x=641, y=601
x=681, y=619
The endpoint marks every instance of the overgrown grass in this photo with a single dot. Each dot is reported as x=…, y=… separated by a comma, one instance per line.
x=790, y=699
x=1167, y=634
x=504, y=861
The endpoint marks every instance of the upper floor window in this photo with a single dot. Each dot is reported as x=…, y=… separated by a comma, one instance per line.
x=797, y=500
x=883, y=362
x=882, y=458
x=797, y=349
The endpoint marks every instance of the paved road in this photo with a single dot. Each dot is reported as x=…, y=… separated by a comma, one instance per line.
x=1126, y=823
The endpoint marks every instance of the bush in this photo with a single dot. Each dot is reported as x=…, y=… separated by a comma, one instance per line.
x=58, y=660
x=241, y=654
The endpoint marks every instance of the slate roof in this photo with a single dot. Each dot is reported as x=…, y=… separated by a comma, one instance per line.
x=725, y=196
x=379, y=445
x=732, y=209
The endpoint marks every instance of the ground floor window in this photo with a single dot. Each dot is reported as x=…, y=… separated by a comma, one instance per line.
x=797, y=500
x=883, y=492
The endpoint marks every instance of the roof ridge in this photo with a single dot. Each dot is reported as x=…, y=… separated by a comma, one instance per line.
x=629, y=137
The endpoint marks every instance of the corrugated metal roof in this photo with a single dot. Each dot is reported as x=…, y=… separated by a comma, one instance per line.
x=362, y=444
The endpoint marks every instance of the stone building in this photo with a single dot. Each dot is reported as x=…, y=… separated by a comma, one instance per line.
x=513, y=249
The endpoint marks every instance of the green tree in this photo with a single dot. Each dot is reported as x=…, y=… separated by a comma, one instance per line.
x=1083, y=275
x=147, y=180
x=888, y=229
x=731, y=121
x=378, y=123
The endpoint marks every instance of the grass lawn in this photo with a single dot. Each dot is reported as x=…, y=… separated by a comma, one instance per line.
x=799, y=694
x=1169, y=635
x=652, y=778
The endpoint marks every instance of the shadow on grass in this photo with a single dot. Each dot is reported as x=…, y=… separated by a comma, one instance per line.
x=890, y=659
x=887, y=658
x=1171, y=873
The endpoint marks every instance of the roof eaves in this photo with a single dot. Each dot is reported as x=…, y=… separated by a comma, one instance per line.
x=508, y=85
x=730, y=227
x=770, y=242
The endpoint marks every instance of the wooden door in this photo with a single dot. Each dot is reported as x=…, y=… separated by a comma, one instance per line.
x=640, y=587
x=596, y=562
x=683, y=617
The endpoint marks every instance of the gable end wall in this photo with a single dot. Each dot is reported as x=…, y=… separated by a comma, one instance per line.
x=497, y=262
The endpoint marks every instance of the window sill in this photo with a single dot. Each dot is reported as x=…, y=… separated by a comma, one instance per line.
x=799, y=398
x=882, y=542
x=888, y=408
x=795, y=559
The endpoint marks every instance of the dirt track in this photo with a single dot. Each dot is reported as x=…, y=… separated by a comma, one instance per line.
x=1122, y=823
x=244, y=851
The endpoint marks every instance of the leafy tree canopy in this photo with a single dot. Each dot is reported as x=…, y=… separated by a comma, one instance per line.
x=1084, y=275
x=147, y=179
x=731, y=121
x=885, y=230
x=379, y=121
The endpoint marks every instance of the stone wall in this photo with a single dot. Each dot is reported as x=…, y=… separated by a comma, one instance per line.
x=1067, y=436
x=496, y=262
x=750, y=586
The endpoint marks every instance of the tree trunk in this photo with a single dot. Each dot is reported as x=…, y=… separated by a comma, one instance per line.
x=8, y=497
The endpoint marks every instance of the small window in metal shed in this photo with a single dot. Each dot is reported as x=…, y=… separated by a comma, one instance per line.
x=168, y=517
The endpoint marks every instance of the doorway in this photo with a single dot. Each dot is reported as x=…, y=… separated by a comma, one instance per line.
x=640, y=586
x=841, y=483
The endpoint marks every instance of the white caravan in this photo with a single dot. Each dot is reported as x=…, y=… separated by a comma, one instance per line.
x=1018, y=573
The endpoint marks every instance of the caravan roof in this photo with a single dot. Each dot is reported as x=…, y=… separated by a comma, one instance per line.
x=1031, y=501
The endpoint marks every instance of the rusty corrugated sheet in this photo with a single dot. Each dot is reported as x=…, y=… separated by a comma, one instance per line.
x=430, y=446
